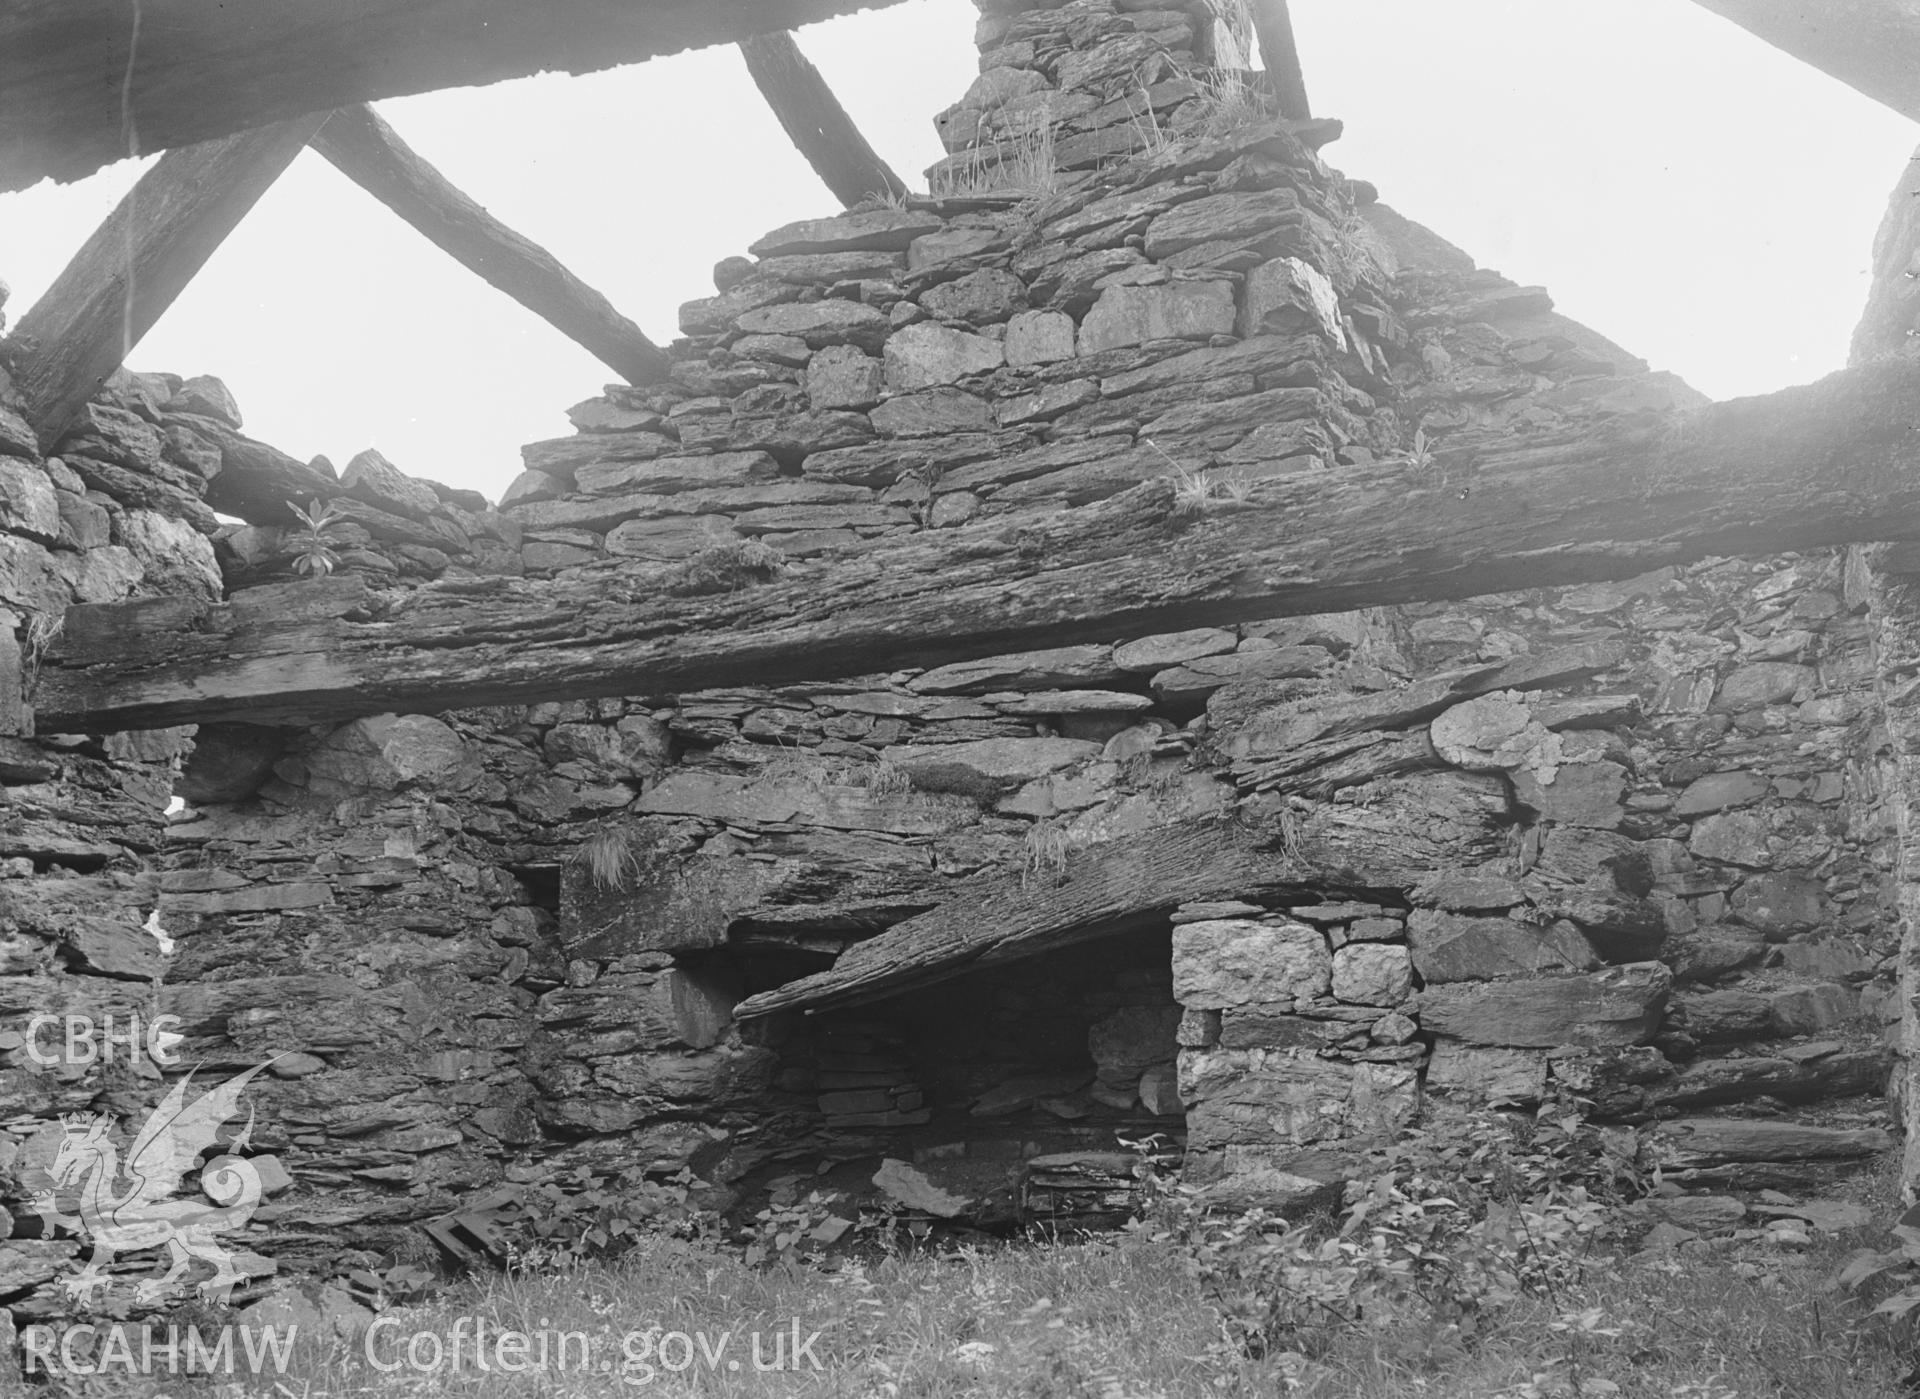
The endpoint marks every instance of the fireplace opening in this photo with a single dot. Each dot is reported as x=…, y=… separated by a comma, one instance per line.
x=1003, y=1096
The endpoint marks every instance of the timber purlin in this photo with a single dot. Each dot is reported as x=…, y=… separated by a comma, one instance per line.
x=1829, y=463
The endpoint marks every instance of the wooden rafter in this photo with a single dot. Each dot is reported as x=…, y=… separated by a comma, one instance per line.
x=1280, y=53
x=203, y=69
x=1823, y=464
x=816, y=122
x=368, y=151
x=136, y=263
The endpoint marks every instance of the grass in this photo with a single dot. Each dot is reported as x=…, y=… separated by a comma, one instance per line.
x=1290, y=841
x=884, y=779
x=793, y=764
x=726, y=566
x=1097, y=1317
x=1044, y=851
x=1197, y=492
x=609, y=859
x=42, y=630
x=1230, y=101
x=1018, y=161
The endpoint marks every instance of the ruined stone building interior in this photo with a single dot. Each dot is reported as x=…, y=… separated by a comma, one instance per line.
x=1141, y=641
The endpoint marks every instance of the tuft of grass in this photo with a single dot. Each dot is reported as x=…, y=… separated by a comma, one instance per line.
x=1044, y=851
x=1197, y=492
x=884, y=779
x=881, y=199
x=1291, y=846
x=927, y=476
x=1018, y=161
x=42, y=630
x=792, y=764
x=1229, y=101
x=726, y=566
x=1192, y=492
x=609, y=858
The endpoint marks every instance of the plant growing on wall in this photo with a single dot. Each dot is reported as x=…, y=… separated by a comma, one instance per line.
x=927, y=475
x=1018, y=161
x=311, y=544
x=1196, y=492
x=1422, y=453
x=1419, y=454
x=792, y=763
x=41, y=630
x=726, y=566
x=1044, y=853
x=609, y=859
x=1229, y=102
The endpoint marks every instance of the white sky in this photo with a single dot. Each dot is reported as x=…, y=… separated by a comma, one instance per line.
x=1682, y=188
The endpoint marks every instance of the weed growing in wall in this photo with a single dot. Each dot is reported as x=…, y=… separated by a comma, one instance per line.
x=726, y=566
x=609, y=859
x=792, y=764
x=927, y=476
x=1199, y=491
x=1016, y=161
x=42, y=629
x=1044, y=851
x=1419, y=454
x=312, y=542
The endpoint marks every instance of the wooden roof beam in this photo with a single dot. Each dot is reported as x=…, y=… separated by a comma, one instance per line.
x=816, y=122
x=202, y=69
x=1873, y=46
x=137, y=263
x=1828, y=463
x=369, y=152
x=1280, y=53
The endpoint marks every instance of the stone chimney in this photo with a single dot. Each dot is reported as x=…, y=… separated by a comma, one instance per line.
x=1067, y=89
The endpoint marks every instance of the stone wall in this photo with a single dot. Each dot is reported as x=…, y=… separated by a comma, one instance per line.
x=82, y=819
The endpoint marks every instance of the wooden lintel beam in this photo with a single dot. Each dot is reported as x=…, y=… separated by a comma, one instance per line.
x=77, y=75
x=137, y=263
x=1280, y=54
x=816, y=122
x=1823, y=464
x=371, y=154
x=1136, y=881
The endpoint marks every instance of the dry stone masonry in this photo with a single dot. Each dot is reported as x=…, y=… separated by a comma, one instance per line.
x=1638, y=842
